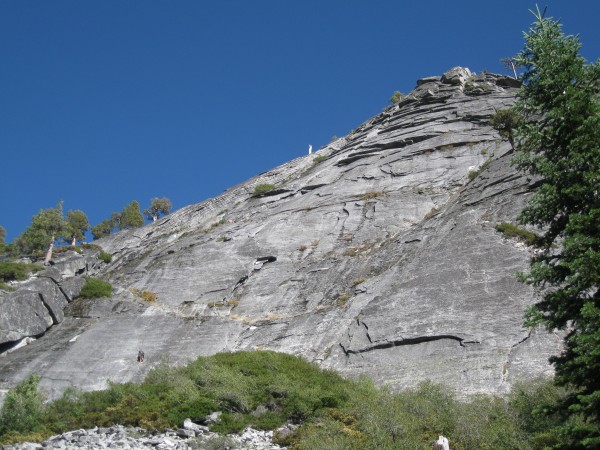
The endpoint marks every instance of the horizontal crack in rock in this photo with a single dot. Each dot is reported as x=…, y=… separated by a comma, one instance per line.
x=408, y=341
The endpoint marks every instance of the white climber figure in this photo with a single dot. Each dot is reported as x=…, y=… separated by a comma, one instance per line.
x=309, y=149
x=441, y=444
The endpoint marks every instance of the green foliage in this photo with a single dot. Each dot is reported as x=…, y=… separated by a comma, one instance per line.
x=397, y=97
x=560, y=143
x=105, y=257
x=95, y=288
x=319, y=159
x=105, y=227
x=475, y=173
x=334, y=413
x=234, y=383
x=131, y=216
x=10, y=271
x=76, y=224
x=22, y=407
x=157, y=207
x=263, y=188
x=2, y=237
x=46, y=226
x=510, y=230
x=378, y=418
x=506, y=121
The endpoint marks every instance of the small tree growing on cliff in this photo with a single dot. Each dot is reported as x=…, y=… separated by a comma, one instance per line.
x=560, y=143
x=397, y=97
x=46, y=226
x=157, y=207
x=131, y=216
x=76, y=224
x=506, y=121
x=2, y=237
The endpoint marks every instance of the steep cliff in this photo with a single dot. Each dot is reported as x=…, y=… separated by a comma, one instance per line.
x=375, y=255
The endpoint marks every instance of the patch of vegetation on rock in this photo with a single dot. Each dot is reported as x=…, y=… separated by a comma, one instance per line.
x=95, y=288
x=147, y=296
x=513, y=231
x=12, y=271
x=263, y=188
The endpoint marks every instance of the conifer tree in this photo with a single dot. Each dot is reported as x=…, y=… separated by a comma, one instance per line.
x=46, y=226
x=76, y=224
x=560, y=143
x=131, y=216
x=157, y=207
x=2, y=237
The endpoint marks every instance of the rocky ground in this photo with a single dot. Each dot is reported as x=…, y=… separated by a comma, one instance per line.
x=119, y=437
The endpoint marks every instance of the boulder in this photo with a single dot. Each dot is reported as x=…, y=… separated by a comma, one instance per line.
x=456, y=76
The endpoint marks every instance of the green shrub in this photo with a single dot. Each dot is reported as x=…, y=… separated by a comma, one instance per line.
x=506, y=121
x=333, y=412
x=10, y=271
x=22, y=408
x=510, y=230
x=263, y=188
x=95, y=288
x=319, y=159
x=475, y=173
x=105, y=257
x=397, y=97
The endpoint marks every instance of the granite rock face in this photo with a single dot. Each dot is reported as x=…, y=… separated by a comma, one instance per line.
x=375, y=255
x=39, y=302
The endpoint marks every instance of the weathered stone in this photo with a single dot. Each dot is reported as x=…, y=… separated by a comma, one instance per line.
x=72, y=287
x=456, y=76
x=214, y=417
x=71, y=263
x=22, y=314
x=390, y=204
x=186, y=434
x=191, y=426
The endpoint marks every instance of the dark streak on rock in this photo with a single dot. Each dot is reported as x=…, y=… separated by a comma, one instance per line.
x=408, y=341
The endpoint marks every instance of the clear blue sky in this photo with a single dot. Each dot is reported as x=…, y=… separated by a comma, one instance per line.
x=103, y=102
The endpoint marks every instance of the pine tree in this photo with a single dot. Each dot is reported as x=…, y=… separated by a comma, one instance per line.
x=76, y=224
x=560, y=143
x=2, y=237
x=131, y=216
x=157, y=207
x=46, y=226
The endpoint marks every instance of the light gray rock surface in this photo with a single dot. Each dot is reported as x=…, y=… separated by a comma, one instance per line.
x=39, y=302
x=126, y=438
x=374, y=255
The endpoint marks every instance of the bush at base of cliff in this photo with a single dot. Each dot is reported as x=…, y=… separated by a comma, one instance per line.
x=267, y=389
x=378, y=418
x=95, y=288
x=22, y=409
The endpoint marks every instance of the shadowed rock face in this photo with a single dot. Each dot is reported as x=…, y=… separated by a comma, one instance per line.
x=374, y=255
